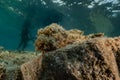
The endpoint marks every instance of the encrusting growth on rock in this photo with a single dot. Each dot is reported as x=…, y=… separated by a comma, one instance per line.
x=54, y=37
x=50, y=38
x=80, y=57
x=93, y=59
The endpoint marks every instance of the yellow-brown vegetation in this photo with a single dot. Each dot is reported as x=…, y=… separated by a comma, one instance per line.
x=55, y=36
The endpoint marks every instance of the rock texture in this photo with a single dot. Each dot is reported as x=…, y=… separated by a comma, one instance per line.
x=10, y=63
x=94, y=59
x=55, y=36
x=31, y=70
x=68, y=55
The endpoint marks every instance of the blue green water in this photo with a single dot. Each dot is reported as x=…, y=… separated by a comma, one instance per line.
x=26, y=17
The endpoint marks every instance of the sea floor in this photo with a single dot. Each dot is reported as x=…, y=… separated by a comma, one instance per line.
x=10, y=62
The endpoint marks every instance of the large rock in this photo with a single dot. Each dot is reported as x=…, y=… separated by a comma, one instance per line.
x=94, y=59
x=54, y=36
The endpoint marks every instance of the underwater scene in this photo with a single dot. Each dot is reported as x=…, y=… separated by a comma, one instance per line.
x=59, y=40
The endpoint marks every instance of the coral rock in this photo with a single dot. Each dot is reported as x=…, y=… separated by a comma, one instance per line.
x=31, y=70
x=94, y=59
x=54, y=37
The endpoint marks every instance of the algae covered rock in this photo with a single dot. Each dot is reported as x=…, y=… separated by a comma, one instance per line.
x=69, y=55
x=94, y=59
x=50, y=38
x=54, y=37
x=31, y=70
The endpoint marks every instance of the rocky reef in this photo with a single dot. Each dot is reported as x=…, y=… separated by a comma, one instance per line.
x=70, y=55
x=94, y=59
x=55, y=36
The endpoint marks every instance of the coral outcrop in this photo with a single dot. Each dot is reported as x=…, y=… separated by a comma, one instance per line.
x=94, y=59
x=50, y=38
x=54, y=37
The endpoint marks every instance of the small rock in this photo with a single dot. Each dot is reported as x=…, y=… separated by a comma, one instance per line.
x=2, y=72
